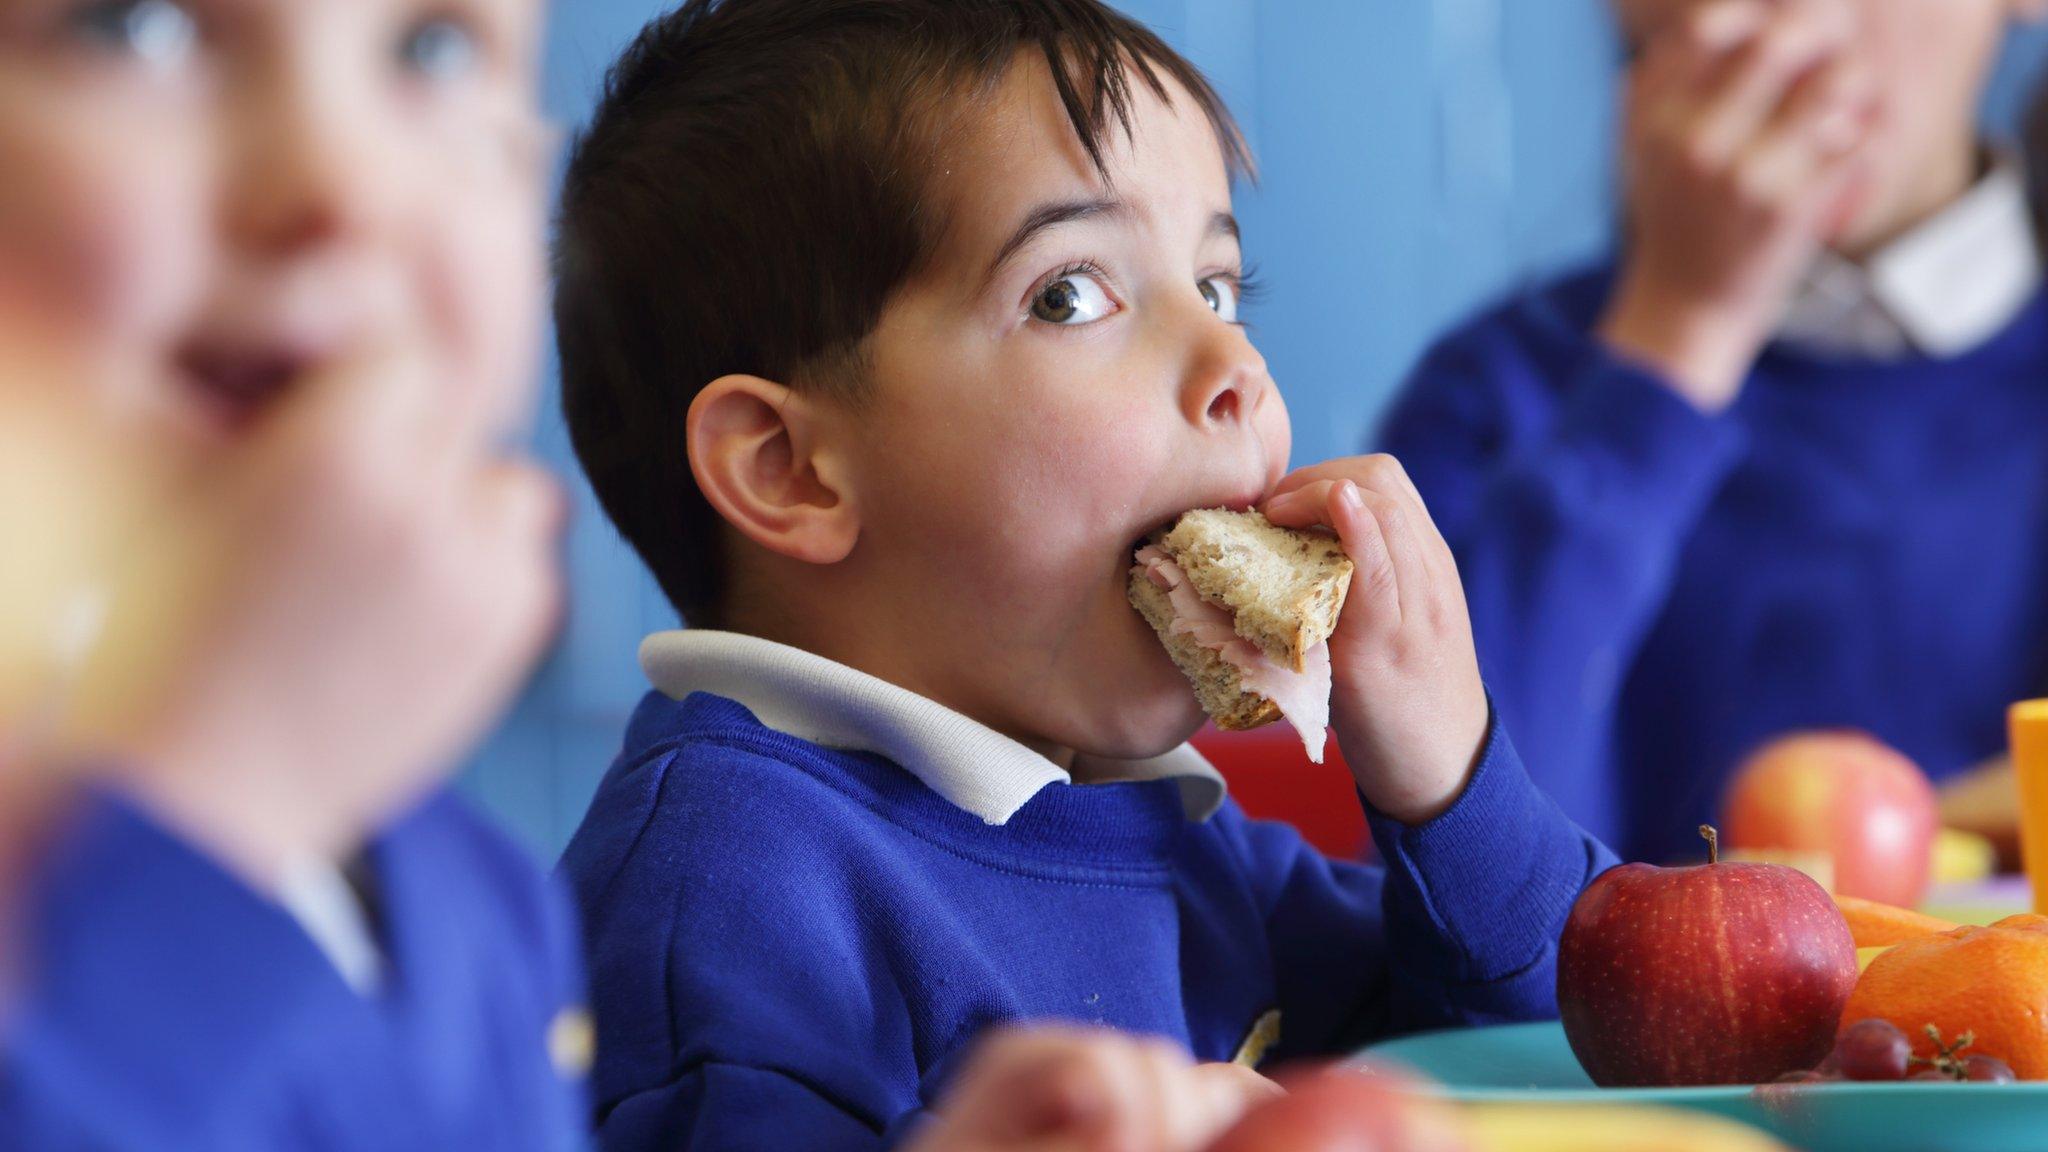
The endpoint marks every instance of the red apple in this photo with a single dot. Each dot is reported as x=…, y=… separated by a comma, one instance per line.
x=1714, y=974
x=1345, y=1110
x=1845, y=794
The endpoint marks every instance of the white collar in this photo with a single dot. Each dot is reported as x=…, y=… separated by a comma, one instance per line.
x=1942, y=289
x=810, y=697
x=328, y=909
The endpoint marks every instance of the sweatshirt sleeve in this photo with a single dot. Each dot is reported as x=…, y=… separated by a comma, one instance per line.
x=1459, y=928
x=1566, y=481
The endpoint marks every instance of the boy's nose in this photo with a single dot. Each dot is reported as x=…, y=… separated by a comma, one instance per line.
x=1227, y=383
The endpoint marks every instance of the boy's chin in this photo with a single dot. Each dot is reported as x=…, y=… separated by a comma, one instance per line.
x=1145, y=729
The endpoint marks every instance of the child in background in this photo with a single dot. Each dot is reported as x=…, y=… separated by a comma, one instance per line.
x=1779, y=466
x=292, y=250
x=888, y=333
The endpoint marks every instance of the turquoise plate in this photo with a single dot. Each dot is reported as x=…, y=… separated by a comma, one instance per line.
x=1532, y=1064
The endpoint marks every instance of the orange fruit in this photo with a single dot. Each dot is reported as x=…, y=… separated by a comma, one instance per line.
x=1990, y=982
x=1877, y=925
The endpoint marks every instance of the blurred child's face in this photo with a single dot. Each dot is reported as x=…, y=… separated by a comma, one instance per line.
x=1934, y=57
x=1063, y=378
x=224, y=196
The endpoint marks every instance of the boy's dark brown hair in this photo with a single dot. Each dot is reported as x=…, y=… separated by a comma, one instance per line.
x=754, y=186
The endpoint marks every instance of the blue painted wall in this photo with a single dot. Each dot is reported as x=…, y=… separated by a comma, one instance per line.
x=1418, y=157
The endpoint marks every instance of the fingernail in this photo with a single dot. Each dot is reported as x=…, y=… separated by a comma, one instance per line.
x=1347, y=495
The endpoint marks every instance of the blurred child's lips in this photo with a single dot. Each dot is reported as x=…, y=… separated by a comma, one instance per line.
x=239, y=384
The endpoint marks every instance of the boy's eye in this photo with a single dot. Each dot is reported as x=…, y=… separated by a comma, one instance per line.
x=157, y=32
x=441, y=48
x=1075, y=298
x=1222, y=294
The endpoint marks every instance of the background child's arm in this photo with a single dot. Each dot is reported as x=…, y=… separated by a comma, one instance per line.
x=1744, y=126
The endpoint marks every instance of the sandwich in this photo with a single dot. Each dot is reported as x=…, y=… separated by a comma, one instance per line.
x=1246, y=610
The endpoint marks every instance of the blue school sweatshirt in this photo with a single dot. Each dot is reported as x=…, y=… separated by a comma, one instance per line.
x=791, y=946
x=170, y=1007
x=1656, y=591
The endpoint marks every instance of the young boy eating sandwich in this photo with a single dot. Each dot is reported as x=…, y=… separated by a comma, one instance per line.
x=891, y=335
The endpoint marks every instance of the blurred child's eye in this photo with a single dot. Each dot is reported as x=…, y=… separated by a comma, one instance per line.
x=442, y=48
x=1075, y=298
x=1222, y=294
x=158, y=32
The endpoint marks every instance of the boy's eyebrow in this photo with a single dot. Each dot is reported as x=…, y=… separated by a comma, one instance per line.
x=1047, y=216
x=1067, y=211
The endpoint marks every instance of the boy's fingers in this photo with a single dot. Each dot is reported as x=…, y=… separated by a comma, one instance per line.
x=1373, y=605
x=1422, y=549
x=1413, y=580
x=1305, y=506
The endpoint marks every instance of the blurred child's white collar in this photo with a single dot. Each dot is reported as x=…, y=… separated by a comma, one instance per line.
x=1940, y=290
x=807, y=696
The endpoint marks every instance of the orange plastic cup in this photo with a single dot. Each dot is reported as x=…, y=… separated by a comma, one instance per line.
x=2029, y=724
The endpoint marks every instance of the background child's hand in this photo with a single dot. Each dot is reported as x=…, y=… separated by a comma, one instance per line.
x=1744, y=128
x=1409, y=710
x=1063, y=1090
x=382, y=580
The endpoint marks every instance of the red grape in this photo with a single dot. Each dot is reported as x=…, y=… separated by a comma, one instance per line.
x=1801, y=1077
x=1930, y=1074
x=1873, y=1050
x=1987, y=1068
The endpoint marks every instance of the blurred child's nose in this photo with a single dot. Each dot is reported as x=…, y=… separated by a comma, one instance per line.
x=303, y=167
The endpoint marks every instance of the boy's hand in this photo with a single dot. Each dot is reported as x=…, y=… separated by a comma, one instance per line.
x=1063, y=1090
x=382, y=581
x=1745, y=125
x=1406, y=701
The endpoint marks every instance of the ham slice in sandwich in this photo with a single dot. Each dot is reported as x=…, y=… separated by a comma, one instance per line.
x=1246, y=610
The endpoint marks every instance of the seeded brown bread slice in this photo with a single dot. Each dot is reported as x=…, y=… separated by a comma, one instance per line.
x=1218, y=687
x=1283, y=588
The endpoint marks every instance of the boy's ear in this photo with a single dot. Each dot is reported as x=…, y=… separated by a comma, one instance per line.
x=760, y=457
